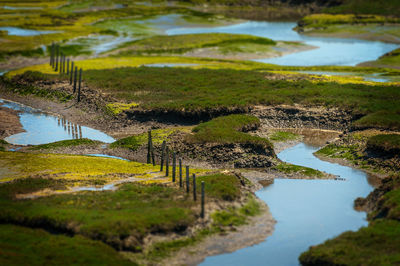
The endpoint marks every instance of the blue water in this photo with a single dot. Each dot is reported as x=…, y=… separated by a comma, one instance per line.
x=330, y=51
x=43, y=128
x=25, y=32
x=307, y=212
x=107, y=156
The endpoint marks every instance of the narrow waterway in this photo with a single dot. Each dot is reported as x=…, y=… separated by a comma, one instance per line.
x=307, y=212
x=330, y=51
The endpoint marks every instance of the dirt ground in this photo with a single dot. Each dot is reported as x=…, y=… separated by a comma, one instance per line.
x=9, y=122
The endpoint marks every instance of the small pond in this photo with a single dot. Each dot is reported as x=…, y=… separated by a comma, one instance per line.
x=44, y=128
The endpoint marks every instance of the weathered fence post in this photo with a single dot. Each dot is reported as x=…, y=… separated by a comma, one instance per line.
x=162, y=155
x=180, y=172
x=194, y=187
x=187, y=179
x=149, y=146
x=67, y=66
x=57, y=54
x=63, y=68
x=51, y=54
x=75, y=77
x=167, y=162
x=80, y=82
x=72, y=73
x=173, y=166
x=61, y=60
x=202, y=200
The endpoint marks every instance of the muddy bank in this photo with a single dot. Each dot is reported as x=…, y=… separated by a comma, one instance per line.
x=9, y=122
x=255, y=231
x=296, y=116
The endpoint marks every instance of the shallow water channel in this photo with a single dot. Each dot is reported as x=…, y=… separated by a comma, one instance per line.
x=41, y=128
x=307, y=212
x=330, y=51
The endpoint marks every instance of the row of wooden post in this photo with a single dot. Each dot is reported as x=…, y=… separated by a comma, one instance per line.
x=61, y=64
x=165, y=159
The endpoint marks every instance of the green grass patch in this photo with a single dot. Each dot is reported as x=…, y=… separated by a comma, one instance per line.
x=229, y=129
x=20, y=244
x=381, y=119
x=135, y=141
x=187, y=42
x=283, y=136
x=65, y=143
x=377, y=244
x=133, y=210
x=296, y=169
x=223, y=187
x=348, y=152
x=236, y=216
x=385, y=143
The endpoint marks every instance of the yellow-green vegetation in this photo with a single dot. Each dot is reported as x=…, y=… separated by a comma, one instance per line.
x=229, y=129
x=66, y=143
x=177, y=44
x=20, y=244
x=71, y=167
x=280, y=136
x=117, y=108
x=300, y=170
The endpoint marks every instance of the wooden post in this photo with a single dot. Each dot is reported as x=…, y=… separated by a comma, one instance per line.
x=167, y=162
x=180, y=172
x=61, y=59
x=173, y=167
x=57, y=54
x=63, y=68
x=187, y=179
x=149, y=146
x=72, y=73
x=153, y=159
x=51, y=54
x=202, y=200
x=162, y=155
x=80, y=82
x=75, y=78
x=194, y=187
x=67, y=66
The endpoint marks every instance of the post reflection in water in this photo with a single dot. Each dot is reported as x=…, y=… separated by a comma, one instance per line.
x=41, y=128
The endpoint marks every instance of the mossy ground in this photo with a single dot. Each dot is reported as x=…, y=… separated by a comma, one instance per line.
x=300, y=170
x=227, y=130
x=120, y=219
x=40, y=247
